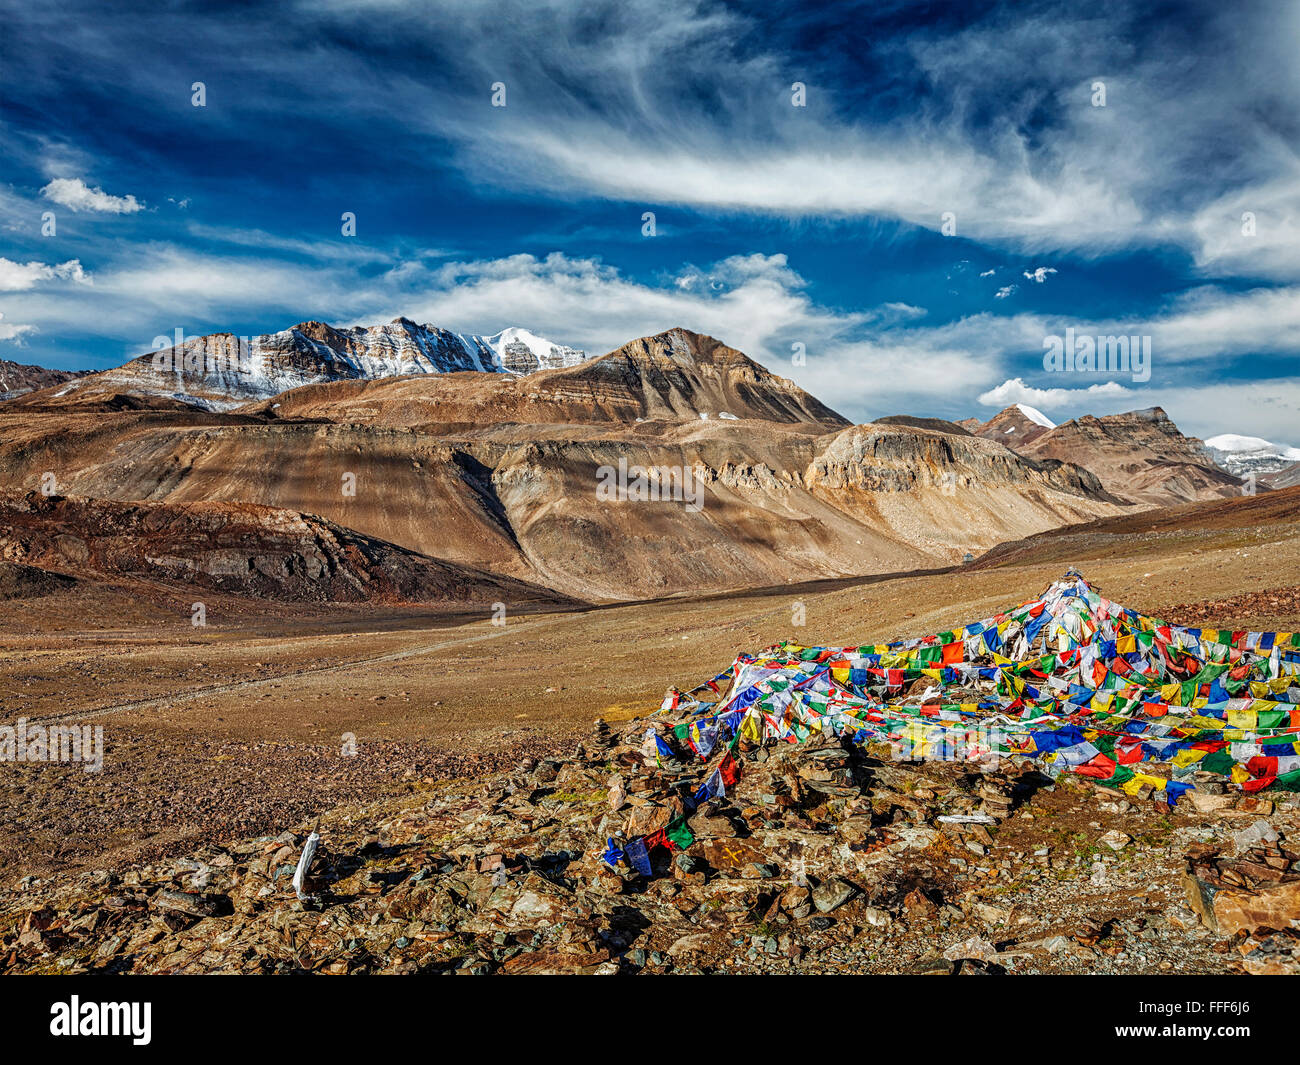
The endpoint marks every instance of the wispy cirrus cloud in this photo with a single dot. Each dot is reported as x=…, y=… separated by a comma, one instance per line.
x=779, y=225
x=635, y=100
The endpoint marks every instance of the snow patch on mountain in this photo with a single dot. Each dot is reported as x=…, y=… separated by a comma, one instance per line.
x=1036, y=416
x=1250, y=454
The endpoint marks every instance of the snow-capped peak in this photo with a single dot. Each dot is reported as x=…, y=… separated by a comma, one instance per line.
x=1230, y=442
x=520, y=351
x=1036, y=416
x=1250, y=454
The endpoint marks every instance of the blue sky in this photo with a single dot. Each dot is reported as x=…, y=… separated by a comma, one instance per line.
x=820, y=225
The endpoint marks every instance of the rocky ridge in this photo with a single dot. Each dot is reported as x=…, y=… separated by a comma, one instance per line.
x=17, y=379
x=220, y=371
x=1140, y=456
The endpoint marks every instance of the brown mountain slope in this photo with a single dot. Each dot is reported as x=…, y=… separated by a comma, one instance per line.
x=948, y=493
x=1159, y=531
x=938, y=424
x=237, y=548
x=776, y=501
x=683, y=374
x=1139, y=456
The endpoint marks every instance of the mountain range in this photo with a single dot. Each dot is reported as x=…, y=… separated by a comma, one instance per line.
x=481, y=456
x=220, y=371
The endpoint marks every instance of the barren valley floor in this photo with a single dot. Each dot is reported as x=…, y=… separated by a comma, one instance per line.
x=236, y=728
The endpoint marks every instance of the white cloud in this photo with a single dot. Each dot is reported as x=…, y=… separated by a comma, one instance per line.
x=1004, y=292
x=634, y=101
x=863, y=362
x=1270, y=409
x=76, y=195
x=1016, y=391
x=1207, y=323
x=14, y=333
x=18, y=277
x=1039, y=273
x=1210, y=323
x=751, y=302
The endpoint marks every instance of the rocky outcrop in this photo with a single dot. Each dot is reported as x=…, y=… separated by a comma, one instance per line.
x=240, y=549
x=885, y=458
x=1139, y=456
x=17, y=379
x=946, y=494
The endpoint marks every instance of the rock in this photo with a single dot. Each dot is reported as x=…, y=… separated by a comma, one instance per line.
x=992, y=915
x=731, y=855
x=553, y=963
x=831, y=894
x=797, y=901
x=110, y=947
x=1227, y=910
x=190, y=904
x=711, y=827
x=1271, y=953
x=877, y=918
x=916, y=837
x=1259, y=832
x=646, y=820
x=918, y=906
x=1205, y=803
x=1116, y=840
x=691, y=944
x=932, y=965
x=974, y=948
